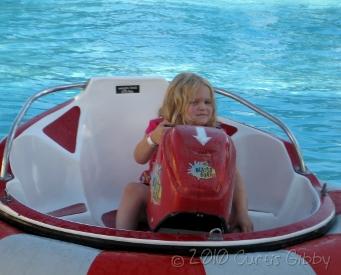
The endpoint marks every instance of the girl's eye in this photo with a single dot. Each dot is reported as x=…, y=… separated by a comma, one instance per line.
x=196, y=102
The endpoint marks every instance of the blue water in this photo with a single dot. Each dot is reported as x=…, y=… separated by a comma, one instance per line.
x=285, y=56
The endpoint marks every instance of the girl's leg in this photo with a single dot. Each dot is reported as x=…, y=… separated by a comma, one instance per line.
x=132, y=206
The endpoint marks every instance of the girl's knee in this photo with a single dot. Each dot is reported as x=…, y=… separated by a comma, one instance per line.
x=135, y=189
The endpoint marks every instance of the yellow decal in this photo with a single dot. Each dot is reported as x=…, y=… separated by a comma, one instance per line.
x=155, y=185
x=201, y=170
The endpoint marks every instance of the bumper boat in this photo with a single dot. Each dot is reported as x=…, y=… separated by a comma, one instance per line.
x=63, y=172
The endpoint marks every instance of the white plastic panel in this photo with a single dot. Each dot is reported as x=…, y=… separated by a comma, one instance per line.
x=274, y=188
x=47, y=177
x=110, y=127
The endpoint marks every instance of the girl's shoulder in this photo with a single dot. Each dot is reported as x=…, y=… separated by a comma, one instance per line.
x=156, y=120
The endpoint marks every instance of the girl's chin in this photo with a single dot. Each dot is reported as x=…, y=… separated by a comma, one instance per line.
x=200, y=123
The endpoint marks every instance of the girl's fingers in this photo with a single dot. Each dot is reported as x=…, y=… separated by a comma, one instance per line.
x=165, y=123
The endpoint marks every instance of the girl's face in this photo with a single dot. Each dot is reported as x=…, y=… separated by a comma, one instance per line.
x=200, y=108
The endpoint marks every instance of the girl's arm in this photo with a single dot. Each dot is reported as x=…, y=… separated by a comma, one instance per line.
x=144, y=150
x=240, y=207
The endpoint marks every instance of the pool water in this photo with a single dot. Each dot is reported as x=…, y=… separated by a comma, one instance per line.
x=285, y=56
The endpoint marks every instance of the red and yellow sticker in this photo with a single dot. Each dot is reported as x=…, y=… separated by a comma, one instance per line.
x=201, y=170
x=155, y=185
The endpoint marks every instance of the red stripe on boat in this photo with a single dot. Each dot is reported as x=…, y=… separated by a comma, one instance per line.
x=292, y=154
x=336, y=197
x=64, y=129
x=77, y=208
x=142, y=263
x=6, y=230
x=321, y=254
x=229, y=129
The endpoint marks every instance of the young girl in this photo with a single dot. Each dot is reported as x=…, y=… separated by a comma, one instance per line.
x=188, y=100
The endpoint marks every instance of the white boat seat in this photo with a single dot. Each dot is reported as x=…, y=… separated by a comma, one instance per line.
x=110, y=127
x=274, y=189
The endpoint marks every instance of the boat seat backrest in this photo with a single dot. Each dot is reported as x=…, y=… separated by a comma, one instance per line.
x=115, y=114
x=274, y=188
x=265, y=168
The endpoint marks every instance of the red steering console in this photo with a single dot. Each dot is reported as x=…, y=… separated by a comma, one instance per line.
x=192, y=180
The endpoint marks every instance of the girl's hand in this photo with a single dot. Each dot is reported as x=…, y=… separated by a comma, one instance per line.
x=143, y=150
x=241, y=222
x=157, y=133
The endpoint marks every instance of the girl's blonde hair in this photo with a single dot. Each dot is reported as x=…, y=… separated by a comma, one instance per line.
x=180, y=92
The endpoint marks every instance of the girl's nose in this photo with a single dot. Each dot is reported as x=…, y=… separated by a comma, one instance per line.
x=202, y=105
